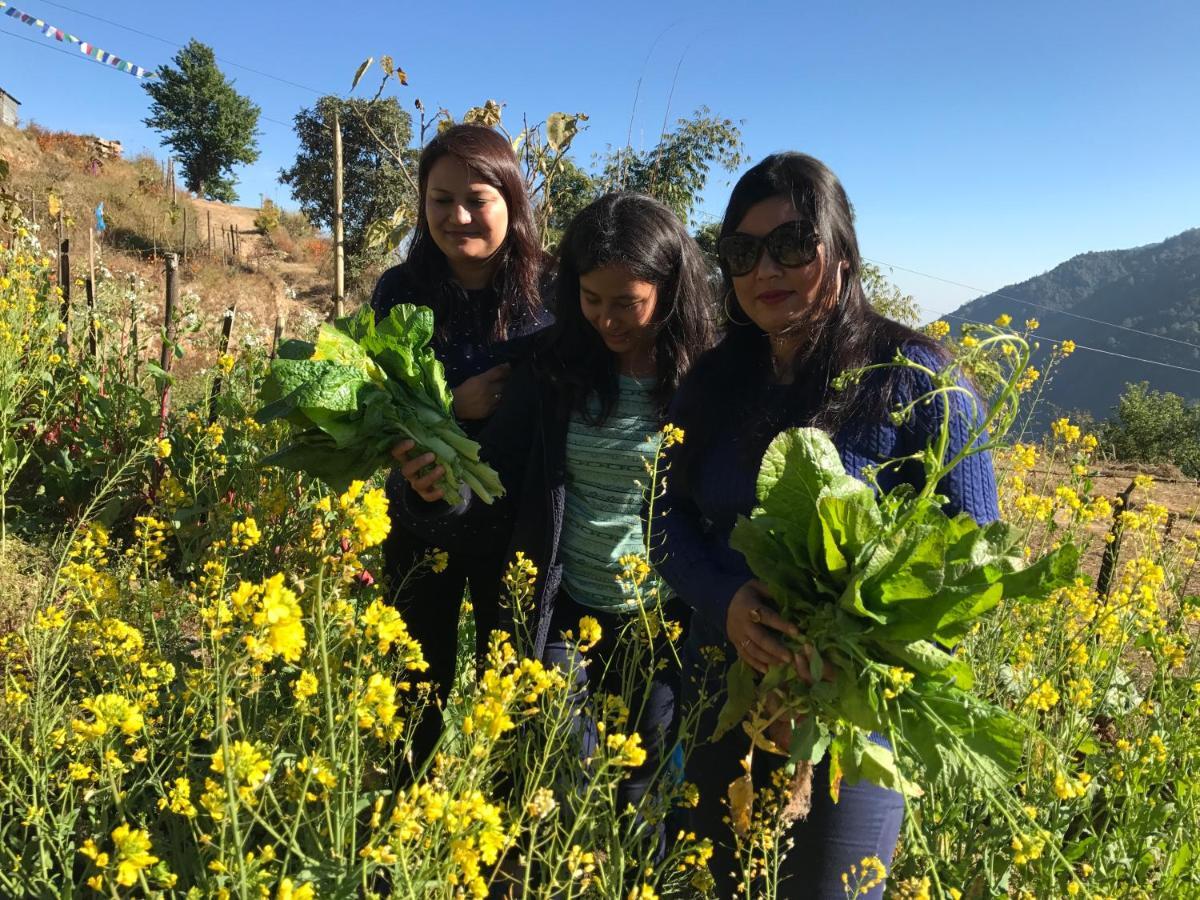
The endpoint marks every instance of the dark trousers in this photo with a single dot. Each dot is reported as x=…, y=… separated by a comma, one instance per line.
x=431, y=604
x=652, y=709
x=865, y=821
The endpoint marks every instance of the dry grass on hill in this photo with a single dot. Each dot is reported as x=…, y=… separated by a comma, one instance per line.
x=275, y=274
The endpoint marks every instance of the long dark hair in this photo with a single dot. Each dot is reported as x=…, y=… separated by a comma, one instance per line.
x=521, y=260
x=643, y=236
x=846, y=333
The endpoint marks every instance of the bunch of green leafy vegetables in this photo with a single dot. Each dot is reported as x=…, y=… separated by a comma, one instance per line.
x=883, y=589
x=361, y=389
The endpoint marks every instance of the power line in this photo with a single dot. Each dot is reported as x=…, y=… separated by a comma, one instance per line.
x=1078, y=346
x=47, y=46
x=1049, y=309
x=169, y=42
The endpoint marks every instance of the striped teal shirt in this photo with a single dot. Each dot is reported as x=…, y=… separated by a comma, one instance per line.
x=606, y=477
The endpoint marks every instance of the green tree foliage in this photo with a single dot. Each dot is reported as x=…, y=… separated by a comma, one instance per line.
x=676, y=171
x=208, y=125
x=378, y=166
x=1154, y=427
x=706, y=236
x=889, y=299
x=567, y=194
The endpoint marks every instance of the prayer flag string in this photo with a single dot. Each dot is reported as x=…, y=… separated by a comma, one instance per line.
x=86, y=48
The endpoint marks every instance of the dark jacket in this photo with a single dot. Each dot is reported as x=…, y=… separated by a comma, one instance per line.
x=699, y=512
x=525, y=441
x=465, y=347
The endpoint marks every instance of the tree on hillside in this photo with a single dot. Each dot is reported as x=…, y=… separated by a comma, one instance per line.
x=208, y=125
x=676, y=170
x=1153, y=427
x=375, y=139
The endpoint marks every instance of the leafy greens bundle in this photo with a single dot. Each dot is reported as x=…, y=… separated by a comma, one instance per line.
x=362, y=388
x=883, y=588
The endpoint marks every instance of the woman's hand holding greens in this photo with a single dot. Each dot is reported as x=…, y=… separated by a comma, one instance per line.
x=751, y=625
x=417, y=472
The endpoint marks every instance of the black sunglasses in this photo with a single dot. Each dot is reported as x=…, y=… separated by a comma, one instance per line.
x=791, y=244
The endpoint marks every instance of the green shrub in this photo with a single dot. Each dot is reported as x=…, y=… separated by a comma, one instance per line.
x=267, y=219
x=1155, y=427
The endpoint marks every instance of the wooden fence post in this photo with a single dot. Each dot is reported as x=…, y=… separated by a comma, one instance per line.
x=223, y=349
x=90, y=285
x=165, y=359
x=279, y=320
x=185, y=234
x=168, y=348
x=339, y=246
x=1108, y=562
x=134, y=312
x=210, y=247
x=64, y=281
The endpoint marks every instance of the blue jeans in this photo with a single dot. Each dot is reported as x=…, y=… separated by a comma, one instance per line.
x=865, y=821
x=652, y=710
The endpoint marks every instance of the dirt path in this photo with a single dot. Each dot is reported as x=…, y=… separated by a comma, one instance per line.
x=266, y=284
x=297, y=280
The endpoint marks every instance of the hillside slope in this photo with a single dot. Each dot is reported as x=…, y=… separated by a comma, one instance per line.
x=1154, y=289
x=142, y=224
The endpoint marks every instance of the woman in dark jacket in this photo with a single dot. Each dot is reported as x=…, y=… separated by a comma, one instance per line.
x=476, y=261
x=797, y=318
x=570, y=439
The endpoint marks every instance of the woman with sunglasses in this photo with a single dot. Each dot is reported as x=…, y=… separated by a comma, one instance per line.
x=475, y=259
x=797, y=318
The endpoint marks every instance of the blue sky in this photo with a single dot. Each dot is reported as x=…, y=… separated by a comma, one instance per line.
x=981, y=143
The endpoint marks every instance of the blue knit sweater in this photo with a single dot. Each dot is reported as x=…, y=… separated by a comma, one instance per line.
x=695, y=557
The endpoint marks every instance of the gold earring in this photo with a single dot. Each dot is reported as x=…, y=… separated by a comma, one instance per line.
x=728, y=315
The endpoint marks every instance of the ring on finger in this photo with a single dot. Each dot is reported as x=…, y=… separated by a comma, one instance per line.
x=496, y=396
x=756, y=615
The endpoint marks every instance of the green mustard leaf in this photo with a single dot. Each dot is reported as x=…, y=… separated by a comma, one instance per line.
x=927, y=658
x=740, y=693
x=797, y=465
x=810, y=739
x=913, y=571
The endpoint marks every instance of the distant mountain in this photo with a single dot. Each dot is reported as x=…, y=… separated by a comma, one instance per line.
x=1155, y=289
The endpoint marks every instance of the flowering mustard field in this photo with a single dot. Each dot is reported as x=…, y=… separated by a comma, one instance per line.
x=207, y=694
